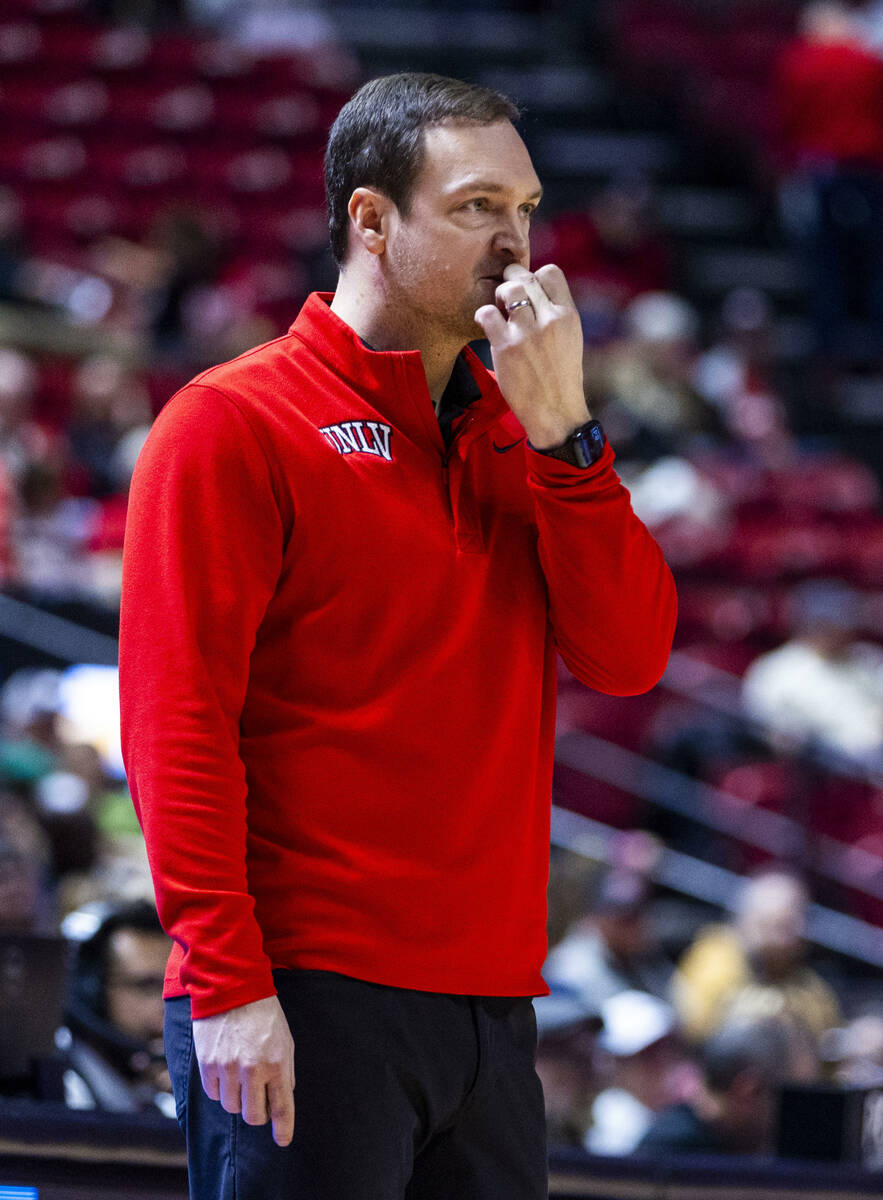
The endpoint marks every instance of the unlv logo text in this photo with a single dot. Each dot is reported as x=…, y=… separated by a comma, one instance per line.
x=360, y=437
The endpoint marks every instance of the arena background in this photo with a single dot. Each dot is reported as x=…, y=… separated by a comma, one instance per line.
x=161, y=209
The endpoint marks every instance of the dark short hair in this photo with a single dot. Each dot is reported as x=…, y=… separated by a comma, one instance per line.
x=94, y=954
x=377, y=138
x=759, y=1046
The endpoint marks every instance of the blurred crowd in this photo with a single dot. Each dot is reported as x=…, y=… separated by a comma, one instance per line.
x=645, y=1045
x=646, y=1052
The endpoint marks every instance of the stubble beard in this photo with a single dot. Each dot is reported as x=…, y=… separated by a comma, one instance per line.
x=435, y=316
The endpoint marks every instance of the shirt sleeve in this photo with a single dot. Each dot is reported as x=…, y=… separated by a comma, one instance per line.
x=202, y=554
x=612, y=598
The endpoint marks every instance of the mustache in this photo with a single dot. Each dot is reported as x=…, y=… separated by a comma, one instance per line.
x=495, y=269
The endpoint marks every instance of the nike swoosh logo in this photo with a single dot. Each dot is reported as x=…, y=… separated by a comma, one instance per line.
x=511, y=446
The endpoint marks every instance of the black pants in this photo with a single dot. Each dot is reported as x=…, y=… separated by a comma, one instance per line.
x=399, y=1095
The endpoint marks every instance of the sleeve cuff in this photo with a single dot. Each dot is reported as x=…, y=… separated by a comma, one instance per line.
x=548, y=469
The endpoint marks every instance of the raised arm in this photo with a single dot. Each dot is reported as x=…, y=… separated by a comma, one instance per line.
x=612, y=599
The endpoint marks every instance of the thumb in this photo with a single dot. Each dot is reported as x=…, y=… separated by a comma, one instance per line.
x=492, y=322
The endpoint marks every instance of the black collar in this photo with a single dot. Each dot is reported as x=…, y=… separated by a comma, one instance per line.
x=460, y=393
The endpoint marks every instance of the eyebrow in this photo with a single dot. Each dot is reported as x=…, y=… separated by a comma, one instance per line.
x=486, y=185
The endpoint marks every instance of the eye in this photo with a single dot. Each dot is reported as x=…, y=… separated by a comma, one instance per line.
x=528, y=210
x=478, y=204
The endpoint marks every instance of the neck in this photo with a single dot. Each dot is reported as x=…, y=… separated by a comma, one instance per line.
x=368, y=307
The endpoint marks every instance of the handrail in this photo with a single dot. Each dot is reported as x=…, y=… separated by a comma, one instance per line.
x=713, y=687
x=716, y=885
x=33, y=626
x=715, y=808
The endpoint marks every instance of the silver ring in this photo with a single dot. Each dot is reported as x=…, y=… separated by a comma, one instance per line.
x=517, y=304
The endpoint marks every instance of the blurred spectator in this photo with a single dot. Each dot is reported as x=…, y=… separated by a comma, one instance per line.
x=829, y=93
x=567, y=1032
x=823, y=685
x=61, y=742
x=29, y=701
x=182, y=254
x=188, y=256
x=109, y=403
x=686, y=510
x=610, y=253
x=50, y=534
x=115, y=1016
x=643, y=384
x=189, y=299
x=756, y=963
x=734, y=1111
x=647, y=1071
x=22, y=440
x=735, y=374
x=62, y=800
x=26, y=899
x=856, y=1051
x=611, y=949
x=13, y=246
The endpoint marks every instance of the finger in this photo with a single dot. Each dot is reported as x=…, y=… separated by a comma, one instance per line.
x=514, y=271
x=254, y=1103
x=520, y=308
x=524, y=285
x=211, y=1085
x=510, y=295
x=280, y=1101
x=554, y=284
x=492, y=322
x=231, y=1091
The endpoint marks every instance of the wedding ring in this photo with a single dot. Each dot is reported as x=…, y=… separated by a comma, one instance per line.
x=517, y=304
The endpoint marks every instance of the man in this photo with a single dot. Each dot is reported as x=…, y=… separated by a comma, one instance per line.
x=824, y=685
x=744, y=1065
x=346, y=577
x=827, y=91
x=646, y=1071
x=755, y=963
x=115, y=1015
x=611, y=948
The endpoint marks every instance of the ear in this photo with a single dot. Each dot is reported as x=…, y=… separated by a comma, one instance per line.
x=369, y=213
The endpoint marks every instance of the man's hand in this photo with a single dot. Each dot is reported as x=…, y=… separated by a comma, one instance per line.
x=537, y=350
x=246, y=1060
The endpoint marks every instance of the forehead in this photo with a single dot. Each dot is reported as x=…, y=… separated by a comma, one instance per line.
x=138, y=947
x=456, y=156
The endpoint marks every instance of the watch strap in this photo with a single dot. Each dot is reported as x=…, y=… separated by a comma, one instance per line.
x=582, y=449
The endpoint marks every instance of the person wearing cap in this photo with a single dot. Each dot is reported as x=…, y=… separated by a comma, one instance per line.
x=734, y=1110
x=647, y=1072
x=610, y=949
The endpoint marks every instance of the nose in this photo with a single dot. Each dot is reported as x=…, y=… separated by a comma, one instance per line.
x=513, y=236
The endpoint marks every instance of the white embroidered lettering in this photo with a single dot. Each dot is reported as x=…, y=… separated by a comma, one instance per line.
x=381, y=439
x=350, y=437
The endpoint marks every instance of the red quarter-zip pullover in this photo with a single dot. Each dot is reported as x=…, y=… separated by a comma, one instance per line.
x=337, y=667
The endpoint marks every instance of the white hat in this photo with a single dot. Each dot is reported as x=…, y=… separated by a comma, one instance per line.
x=633, y=1021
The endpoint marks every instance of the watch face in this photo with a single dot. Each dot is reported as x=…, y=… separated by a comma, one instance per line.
x=588, y=443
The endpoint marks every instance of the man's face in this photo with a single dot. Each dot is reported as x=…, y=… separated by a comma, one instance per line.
x=469, y=219
x=773, y=937
x=136, y=965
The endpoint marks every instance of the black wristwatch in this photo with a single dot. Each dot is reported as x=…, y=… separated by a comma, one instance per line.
x=583, y=448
